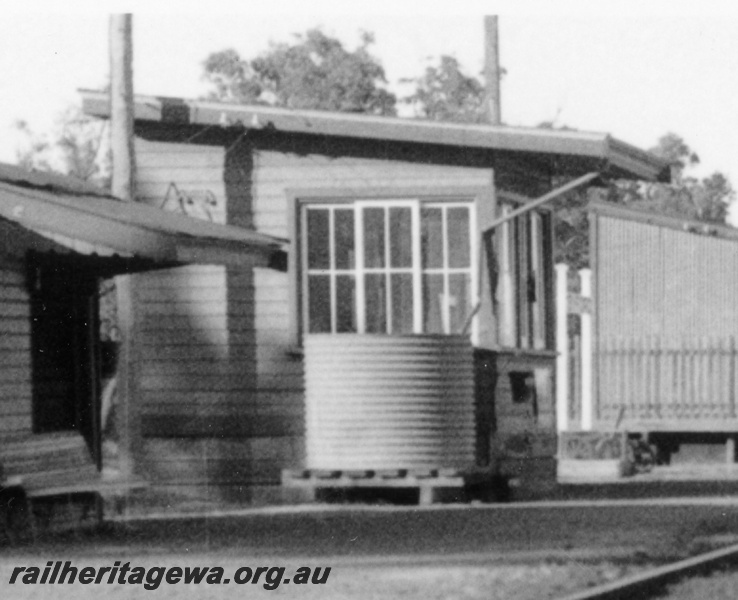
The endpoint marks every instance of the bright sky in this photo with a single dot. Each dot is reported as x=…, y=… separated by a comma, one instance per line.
x=634, y=74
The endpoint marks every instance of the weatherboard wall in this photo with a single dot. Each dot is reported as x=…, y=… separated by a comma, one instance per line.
x=203, y=432
x=220, y=367
x=283, y=178
x=15, y=348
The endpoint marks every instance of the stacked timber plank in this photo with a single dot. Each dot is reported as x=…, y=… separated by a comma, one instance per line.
x=48, y=461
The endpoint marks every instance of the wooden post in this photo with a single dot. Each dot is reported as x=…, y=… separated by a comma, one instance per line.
x=507, y=294
x=493, y=104
x=562, y=349
x=123, y=186
x=585, y=276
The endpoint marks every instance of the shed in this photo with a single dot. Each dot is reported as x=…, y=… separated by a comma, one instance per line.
x=58, y=238
x=665, y=321
x=388, y=220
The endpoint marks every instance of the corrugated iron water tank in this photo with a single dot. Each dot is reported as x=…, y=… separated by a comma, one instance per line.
x=389, y=402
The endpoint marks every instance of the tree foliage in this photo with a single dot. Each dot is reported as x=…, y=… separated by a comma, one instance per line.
x=316, y=72
x=706, y=199
x=75, y=146
x=446, y=93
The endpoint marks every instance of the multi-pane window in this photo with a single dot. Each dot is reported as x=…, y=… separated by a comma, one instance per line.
x=391, y=266
x=524, y=291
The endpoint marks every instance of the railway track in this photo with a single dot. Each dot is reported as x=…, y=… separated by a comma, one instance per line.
x=651, y=583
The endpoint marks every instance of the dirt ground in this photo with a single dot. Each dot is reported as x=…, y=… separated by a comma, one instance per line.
x=513, y=551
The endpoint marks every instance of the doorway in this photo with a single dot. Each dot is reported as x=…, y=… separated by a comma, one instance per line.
x=65, y=349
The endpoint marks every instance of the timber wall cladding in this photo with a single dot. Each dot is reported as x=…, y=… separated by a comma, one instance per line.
x=281, y=377
x=666, y=326
x=660, y=281
x=15, y=348
x=223, y=393
x=275, y=174
x=209, y=424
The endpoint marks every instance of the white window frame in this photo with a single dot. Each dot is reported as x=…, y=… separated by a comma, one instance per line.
x=387, y=270
x=447, y=270
x=360, y=270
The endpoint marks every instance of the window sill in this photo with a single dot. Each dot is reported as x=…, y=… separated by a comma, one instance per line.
x=295, y=352
x=524, y=352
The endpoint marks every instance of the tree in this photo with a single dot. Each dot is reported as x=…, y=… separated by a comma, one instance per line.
x=705, y=199
x=446, y=93
x=688, y=197
x=315, y=72
x=75, y=146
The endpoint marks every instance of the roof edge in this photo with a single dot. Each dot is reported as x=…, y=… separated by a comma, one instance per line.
x=625, y=160
x=630, y=213
x=626, y=155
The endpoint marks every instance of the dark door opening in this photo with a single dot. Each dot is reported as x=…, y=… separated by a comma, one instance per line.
x=65, y=347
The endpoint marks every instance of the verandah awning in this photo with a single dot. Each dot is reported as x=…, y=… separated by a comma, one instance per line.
x=76, y=218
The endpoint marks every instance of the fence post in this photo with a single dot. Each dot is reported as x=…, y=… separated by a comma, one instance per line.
x=562, y=348
x=585, y=276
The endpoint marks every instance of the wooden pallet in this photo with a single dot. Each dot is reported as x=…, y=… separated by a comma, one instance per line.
x=431, y=484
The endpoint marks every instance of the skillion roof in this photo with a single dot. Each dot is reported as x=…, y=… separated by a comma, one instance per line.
x=51, y=213
x=598, y=151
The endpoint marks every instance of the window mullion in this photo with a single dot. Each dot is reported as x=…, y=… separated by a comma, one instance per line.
x=387, y=272
x=304, y=264
x=446, y=315
x=332, y=266
x=417, y=270
x=359, y=258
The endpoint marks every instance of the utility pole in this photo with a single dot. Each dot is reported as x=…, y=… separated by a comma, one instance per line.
x=492, y=71
x=121, y=107
x=487, y=332
x=123, y=186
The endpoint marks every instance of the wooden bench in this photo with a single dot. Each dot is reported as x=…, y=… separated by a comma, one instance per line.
x=43, y=471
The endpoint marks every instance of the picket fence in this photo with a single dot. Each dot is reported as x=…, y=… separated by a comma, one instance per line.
x=667, y=383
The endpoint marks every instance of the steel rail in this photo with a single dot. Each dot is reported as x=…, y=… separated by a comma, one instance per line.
x=650, y=583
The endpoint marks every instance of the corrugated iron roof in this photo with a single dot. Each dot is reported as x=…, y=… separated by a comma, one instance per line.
x=45, y=180
x=65, y=213
x=620, y=158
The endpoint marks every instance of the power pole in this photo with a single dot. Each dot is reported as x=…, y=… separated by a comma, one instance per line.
x=492, y=71
x=121, y=107
x=128, y=420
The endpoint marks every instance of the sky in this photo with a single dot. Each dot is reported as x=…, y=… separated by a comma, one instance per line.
x=632, y=72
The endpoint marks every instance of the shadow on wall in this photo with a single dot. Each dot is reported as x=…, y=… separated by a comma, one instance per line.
x=197, y=346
